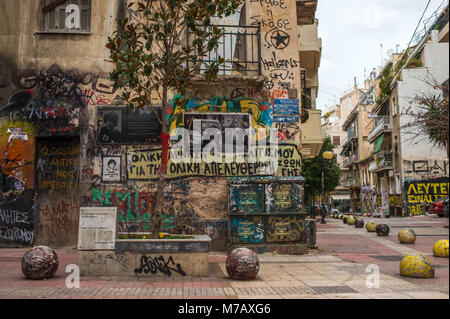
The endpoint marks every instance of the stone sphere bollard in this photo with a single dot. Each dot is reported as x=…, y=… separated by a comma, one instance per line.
x=351, y=221
x=371, y=227
x=440, y=248
x=418, y=266
x=40, y=262
x=382, y=230
x=242, y=264
x=407, y=236
x=359, y=223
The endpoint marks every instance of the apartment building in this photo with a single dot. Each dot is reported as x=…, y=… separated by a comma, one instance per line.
x=332, y=127
x=356, y=148
x=57, y=153
x=389, y=172
x=407, y=169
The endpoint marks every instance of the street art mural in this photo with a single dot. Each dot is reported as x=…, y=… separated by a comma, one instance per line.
x=417, y=192
x=43, y=103
x=17, y=193
x=261, y=112
x=395, y=205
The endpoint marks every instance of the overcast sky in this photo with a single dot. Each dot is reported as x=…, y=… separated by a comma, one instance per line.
x=352, y=31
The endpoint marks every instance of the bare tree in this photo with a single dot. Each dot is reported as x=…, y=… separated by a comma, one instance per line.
x=428, y=114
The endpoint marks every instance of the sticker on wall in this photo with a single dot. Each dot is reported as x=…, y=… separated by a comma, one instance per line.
x=111, y=168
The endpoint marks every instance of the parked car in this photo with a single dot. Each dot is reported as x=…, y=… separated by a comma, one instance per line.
x=437, y=207
x=445, y=207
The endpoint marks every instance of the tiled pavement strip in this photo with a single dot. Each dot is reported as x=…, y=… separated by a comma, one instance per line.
x=312, y=276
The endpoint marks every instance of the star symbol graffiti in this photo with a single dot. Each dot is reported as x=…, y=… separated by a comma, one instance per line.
x=280, y=39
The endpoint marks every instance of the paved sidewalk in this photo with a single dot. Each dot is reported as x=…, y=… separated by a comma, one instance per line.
x=337, y=270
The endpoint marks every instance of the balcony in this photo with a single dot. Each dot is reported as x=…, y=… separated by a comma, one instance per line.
x=306, y=11
x=383, y=162
x=354, y=182
x=240, y=46
x=312, y=134
x=310, y=48
x=351, y=182
x=382, y=125
x=350, y=160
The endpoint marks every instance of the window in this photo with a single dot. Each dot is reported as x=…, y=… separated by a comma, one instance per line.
x=337, y=140
x=66, y=15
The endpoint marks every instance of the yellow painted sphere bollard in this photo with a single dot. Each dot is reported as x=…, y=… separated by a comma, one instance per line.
x=407, y=236
x=440, y=248
x=371, y=227
x=418, y=266
x=340, y=216
x=351, y=220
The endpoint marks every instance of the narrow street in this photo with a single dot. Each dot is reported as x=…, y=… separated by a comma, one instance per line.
x=336, y=270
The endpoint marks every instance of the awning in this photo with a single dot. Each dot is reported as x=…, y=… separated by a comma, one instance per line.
x=378, y=144
x=341, y=197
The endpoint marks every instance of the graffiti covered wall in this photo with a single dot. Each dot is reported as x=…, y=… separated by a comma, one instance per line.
x=415, y=193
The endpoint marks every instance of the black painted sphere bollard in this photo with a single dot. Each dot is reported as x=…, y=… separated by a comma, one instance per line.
x=242, y=264
x=359, y=223
x=40, y=262
x=382, y=230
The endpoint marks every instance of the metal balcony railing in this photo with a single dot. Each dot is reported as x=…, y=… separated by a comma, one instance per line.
x=240, y=46
x=382, y=124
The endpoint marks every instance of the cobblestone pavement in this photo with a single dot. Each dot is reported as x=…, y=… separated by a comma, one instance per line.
x=336, y=270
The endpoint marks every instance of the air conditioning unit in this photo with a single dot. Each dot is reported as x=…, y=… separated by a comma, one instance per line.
x=386, y=127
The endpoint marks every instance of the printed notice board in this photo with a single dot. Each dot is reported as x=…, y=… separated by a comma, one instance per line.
x=286, y=106
x=97, y=228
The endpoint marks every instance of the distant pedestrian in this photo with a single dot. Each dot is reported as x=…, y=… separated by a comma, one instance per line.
x=425, y=207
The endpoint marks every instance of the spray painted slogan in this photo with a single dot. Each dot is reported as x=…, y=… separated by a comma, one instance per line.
x=278, y=22
x=417, y=192
x=284, y=161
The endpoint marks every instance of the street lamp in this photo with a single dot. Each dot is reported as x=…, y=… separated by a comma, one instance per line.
x=327, y=156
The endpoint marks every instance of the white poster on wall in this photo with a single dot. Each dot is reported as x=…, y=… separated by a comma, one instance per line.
x=111, y=168
x=97, y=228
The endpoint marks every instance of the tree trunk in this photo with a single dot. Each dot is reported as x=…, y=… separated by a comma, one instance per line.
x=157, y=212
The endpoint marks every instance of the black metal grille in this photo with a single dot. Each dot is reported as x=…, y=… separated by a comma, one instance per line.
x=240, y=46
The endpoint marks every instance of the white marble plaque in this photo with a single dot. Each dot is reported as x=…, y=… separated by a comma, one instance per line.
x=97, y=228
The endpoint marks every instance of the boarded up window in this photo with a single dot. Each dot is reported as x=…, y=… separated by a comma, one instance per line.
x=67, y=16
